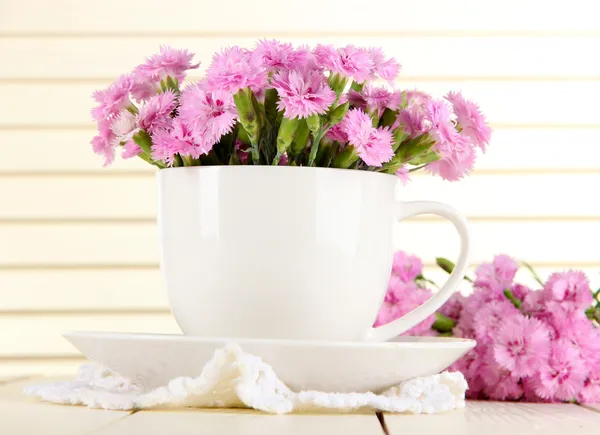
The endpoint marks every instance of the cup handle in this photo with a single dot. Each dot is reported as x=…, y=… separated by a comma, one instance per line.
x=405, y=210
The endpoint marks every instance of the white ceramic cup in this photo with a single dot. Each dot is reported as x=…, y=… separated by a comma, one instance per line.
x=286, y=252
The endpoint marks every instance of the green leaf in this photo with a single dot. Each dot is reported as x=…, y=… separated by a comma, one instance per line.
x=399, y=137
x=358, y=87
x=388, y=118
x=346, y=157
x=337, y=114
x=300, y=139
x=285, y=136
x=144, y=141
x=314, y=123
x=172, y=84
x=271, y=99
x=412, y=148
x=425, y=159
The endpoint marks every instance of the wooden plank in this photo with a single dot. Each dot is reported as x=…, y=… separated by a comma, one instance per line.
x=20, y=414
x=130, y=198
x=494, y=418
x=593, y=406
x=81, y=244
x=41, y=335
x=55, y=151
x=45, y=366
x=118, y=291
x=69, y=104
x=81, y=18
x=242, y=422
x=509, y=57
x=87, y=290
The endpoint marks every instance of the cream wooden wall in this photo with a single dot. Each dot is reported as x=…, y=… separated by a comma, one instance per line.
x=78, y=242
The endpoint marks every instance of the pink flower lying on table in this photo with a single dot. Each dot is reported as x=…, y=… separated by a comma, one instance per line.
x=541, y=345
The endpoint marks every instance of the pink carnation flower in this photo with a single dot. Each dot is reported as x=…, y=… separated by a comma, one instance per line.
x=470, y=119
x=170, y=62
x=387, y=69
x=130, y=150
x=103, y=143
x=112, y=99
x=212, y=113
x=570, y=290
x=412, y=120
x=500, y=384
x=452, y=169
x=498, y=275
x=337, y=134
x=181, y=140
x=575, y=327
x=378, y=149
x=235, y=68
x=372, y=99
x=156, y=113
x=489, y=319
x=374, y=146
x=302, y=93
x=591, y=389
x=349, y=61
x=454, y=306
x=564, y=375
x=277, y=55
x=406, y=267
x=403, y=175
x=522, y=346
x=405, y=298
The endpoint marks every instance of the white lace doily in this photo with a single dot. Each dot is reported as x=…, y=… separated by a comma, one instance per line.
x=233, y=378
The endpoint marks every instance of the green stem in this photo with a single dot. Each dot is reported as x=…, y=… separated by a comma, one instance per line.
x=315, y=146
x=509, y=295
x=417, y=168
x=533, y=273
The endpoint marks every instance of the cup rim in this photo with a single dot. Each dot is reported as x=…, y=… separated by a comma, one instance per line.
x=251, y=168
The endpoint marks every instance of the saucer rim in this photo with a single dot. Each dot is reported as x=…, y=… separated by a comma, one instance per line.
x=423, y=342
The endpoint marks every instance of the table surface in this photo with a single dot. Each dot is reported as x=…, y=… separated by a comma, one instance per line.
x=22, y=415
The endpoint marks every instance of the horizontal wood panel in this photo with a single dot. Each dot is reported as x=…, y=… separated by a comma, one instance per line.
x=137, y=244
x=519, y=103
x=510, y=57
x=350, y=16
x=91, y=290
x=511, y=149
x=40, y=366
x=118, y=291
x=34, y=335
x=96, y=197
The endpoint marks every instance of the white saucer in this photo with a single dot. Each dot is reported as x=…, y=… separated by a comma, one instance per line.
x=154, y=359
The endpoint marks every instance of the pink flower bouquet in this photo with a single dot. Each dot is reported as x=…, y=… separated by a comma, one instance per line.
x=282, y=105
x=537, y=346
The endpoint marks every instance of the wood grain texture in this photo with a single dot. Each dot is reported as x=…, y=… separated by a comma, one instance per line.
x=510, y=58
x=20, y=414
x=69, y=104
x=494, y=418
x=88, y=18
x=46, y=366
x=242, y=422
x=136, y=244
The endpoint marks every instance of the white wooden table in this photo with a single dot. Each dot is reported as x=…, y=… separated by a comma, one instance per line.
x=21, y=415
